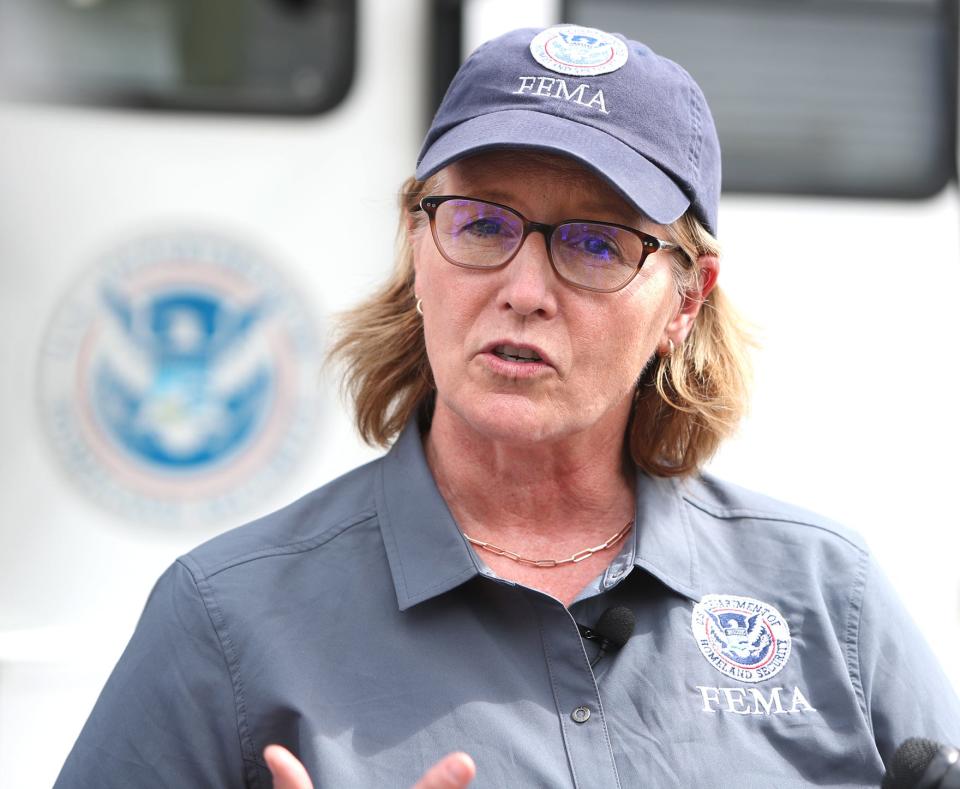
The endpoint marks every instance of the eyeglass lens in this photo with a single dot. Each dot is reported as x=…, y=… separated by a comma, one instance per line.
x=483, y=235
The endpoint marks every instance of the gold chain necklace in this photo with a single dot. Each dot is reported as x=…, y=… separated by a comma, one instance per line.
x=577, y=557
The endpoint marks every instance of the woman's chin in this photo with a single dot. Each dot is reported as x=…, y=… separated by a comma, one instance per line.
x=515, y=419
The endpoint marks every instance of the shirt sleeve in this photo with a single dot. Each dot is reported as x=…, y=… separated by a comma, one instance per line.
x=168, y=715
x=905, y=692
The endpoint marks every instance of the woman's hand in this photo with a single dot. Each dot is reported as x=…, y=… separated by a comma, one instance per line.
x=286, y=769
x=453, y=771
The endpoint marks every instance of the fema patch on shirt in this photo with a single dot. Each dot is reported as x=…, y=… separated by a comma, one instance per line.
x=580, y=51
x=741, y=637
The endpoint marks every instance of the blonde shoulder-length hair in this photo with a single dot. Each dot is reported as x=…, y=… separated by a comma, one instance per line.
x=686, y=403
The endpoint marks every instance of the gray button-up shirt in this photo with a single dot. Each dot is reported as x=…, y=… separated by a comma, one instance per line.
x=359, y=629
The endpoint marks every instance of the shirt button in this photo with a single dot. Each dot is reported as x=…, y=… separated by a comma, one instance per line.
x=580, y=714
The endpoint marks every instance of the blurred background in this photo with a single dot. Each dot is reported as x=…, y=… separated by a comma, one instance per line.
x=190, y=191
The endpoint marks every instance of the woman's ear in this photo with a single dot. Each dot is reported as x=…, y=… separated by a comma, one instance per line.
x=679, y=327
x=709, y=266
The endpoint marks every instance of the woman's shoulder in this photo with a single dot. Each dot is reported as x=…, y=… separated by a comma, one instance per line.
x=304, y=526
x=718, y=501
x=750, y=546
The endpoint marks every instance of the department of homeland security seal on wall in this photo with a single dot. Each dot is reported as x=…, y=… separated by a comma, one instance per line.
x=178, y=379
x=741, y=637
x=576, y=50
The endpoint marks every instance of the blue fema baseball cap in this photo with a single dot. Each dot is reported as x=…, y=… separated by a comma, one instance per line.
x=637, y=119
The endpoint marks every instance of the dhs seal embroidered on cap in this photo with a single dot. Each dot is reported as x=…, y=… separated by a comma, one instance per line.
x=582, y=51
x=635, y=118
x=741, y=637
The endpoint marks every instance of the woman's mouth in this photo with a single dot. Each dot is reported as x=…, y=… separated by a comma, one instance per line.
x=513, y=353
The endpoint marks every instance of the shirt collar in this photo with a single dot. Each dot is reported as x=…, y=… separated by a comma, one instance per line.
x=428, y=555
x=663, y=540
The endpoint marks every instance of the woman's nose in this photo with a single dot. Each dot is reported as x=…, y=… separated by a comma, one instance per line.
x=531, y=283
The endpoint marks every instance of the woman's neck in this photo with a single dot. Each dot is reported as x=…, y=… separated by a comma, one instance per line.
x=541, y=501
x=567, y=490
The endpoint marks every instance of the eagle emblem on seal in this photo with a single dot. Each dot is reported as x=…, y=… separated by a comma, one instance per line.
x=742, y=637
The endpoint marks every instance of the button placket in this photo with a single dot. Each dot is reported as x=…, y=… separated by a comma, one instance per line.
x=577, y=697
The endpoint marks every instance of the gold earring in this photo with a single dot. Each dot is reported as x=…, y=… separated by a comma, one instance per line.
x=419, y=306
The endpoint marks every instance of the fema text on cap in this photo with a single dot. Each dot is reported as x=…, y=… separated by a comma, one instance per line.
x=557, y=89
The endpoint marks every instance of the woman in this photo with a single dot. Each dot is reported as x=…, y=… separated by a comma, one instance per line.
x=558, y=364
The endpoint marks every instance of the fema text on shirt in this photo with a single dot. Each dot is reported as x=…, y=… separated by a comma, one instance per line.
x=753, y=701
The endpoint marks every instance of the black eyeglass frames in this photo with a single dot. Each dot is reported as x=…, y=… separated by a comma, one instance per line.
x=597, y=256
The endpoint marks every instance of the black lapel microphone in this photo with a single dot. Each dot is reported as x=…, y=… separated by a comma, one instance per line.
x=923, y=764
x=612, y=631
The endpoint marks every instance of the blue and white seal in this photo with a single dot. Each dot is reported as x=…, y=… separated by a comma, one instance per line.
x=178, y=379
x=580, y=51
x=742, y=638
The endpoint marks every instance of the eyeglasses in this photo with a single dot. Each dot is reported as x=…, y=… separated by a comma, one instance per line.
x=597, y=256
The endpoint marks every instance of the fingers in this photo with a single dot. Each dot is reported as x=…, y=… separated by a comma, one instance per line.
x=453, y=771
x=287, y=771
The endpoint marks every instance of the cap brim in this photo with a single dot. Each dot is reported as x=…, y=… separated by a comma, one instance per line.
x=642, y=183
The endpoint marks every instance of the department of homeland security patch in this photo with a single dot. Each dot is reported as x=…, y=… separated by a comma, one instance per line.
x=580, y=51
x=178, y=379
x=741, y=637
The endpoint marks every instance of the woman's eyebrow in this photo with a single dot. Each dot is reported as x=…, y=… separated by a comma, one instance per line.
x=618, y=212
